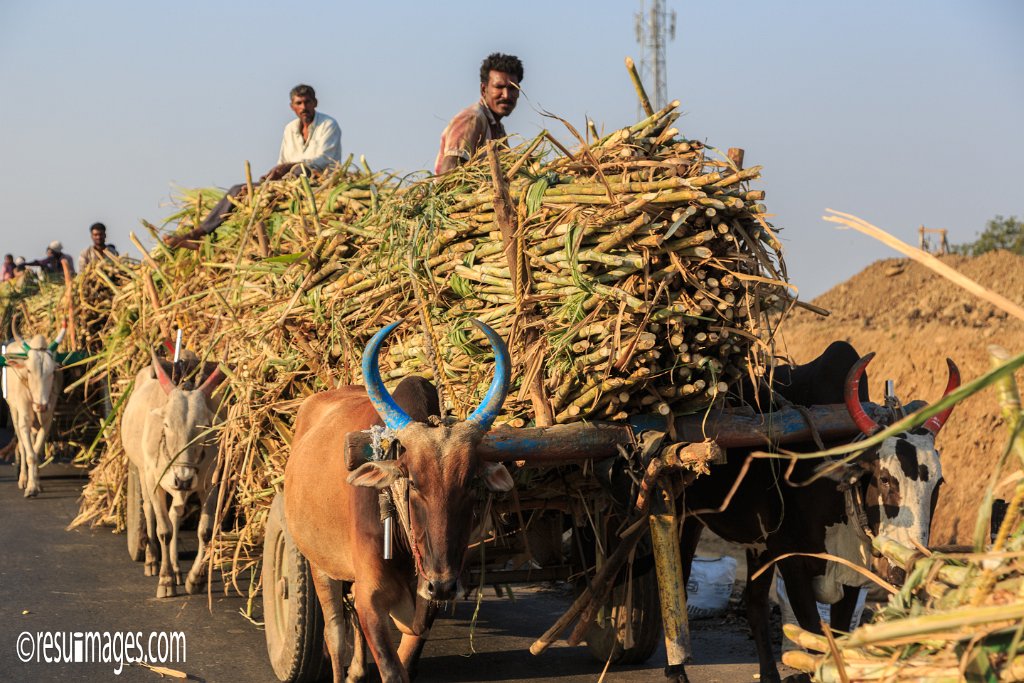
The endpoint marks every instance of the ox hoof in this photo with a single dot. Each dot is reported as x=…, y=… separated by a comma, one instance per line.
x=21, y=482
x=177, y=579
x=152, y=569
x=194, y=586
x=32, y=492
x=163, y=591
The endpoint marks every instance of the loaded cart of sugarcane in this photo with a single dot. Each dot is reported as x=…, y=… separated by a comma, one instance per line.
x=600, y=306
x=637, y=284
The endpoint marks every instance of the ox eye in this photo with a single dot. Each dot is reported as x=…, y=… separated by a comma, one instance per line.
x=412, y=485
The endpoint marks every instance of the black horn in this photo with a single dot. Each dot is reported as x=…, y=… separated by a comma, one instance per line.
x=394, y=417
x=488, y=410
x=851, y=393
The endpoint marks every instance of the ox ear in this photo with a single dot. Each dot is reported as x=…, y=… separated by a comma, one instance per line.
x=377, y=474
x=496, y=477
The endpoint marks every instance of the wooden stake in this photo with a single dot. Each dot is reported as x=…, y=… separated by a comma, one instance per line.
x=506, y=218
x=736, y=157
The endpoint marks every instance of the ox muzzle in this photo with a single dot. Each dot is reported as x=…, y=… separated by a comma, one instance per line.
x=184, y=477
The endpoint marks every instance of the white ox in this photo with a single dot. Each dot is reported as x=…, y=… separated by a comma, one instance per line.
x=33, y=385
x=167, y=433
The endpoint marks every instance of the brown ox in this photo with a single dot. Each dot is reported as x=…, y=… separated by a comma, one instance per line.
x=334, y=515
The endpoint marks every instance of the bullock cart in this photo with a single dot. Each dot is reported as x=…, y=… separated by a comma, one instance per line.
x=596, y=504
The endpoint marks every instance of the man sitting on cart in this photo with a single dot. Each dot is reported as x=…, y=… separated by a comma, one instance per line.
x=311, y=143
x=472, y=127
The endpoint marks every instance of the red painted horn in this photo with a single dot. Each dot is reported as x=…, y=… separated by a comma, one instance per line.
x=212, y=382
x=934, y=423
x=851, y=393
x=165, y=382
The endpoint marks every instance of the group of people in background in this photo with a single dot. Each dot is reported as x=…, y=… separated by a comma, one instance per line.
x=311, y=143
x=58, y=264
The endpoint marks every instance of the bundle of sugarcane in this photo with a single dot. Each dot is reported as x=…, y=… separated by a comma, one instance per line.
x=632, y=275
x=958, y=616
x=226, y=296
x=34, y=306
x=95, y=288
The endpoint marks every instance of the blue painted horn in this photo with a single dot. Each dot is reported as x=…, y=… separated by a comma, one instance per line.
x=394, y=417
x=489, y=408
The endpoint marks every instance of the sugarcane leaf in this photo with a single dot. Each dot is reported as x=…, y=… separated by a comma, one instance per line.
x=285, y=258
x=535, y=195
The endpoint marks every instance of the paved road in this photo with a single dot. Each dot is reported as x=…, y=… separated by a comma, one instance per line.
x=82, y=580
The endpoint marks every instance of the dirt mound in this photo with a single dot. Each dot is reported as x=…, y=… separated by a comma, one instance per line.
x=914, y=319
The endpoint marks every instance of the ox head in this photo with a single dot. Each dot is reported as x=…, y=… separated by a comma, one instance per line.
x=35, y=364
x=440, y=463
x=186, y=421
x=900, y=478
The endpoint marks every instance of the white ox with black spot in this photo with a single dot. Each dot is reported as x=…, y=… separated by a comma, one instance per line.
x=168, y=434
x=33, y=385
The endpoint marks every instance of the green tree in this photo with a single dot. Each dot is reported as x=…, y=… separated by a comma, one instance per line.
x=999, y=233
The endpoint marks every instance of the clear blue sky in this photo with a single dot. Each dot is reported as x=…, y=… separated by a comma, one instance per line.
x=901, y=112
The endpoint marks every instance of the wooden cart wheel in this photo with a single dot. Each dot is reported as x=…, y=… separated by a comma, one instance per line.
x=135, y=516
x=605, y=637
x=640, y=604
x=294, y=624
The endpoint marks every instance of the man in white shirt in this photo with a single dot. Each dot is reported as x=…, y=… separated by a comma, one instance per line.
x=310, y=144
x=313, y=139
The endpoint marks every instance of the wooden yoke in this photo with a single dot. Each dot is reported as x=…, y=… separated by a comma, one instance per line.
x=582, y=441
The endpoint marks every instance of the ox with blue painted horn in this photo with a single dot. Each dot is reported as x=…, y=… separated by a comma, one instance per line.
x=334, y=515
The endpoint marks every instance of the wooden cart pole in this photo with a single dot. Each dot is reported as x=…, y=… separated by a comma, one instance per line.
x=671, y=586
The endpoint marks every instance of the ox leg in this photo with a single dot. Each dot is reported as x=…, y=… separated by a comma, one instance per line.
x=37, y=444
x=331, y=594
x=693, y=528
x=166, y=586
x=373, y=606
x=759, y=615
x=23, y=432
x=357, y=667
x=21, y=453
x=148, y=509
x=411, y=647
x=842, y=611
x=799, y=590
x=197, y=575
x=38, y=450
x=177, y=513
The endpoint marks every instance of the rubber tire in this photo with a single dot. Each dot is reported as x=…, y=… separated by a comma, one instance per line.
x=604, y=641
x=135, y=516
x=293, y=623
